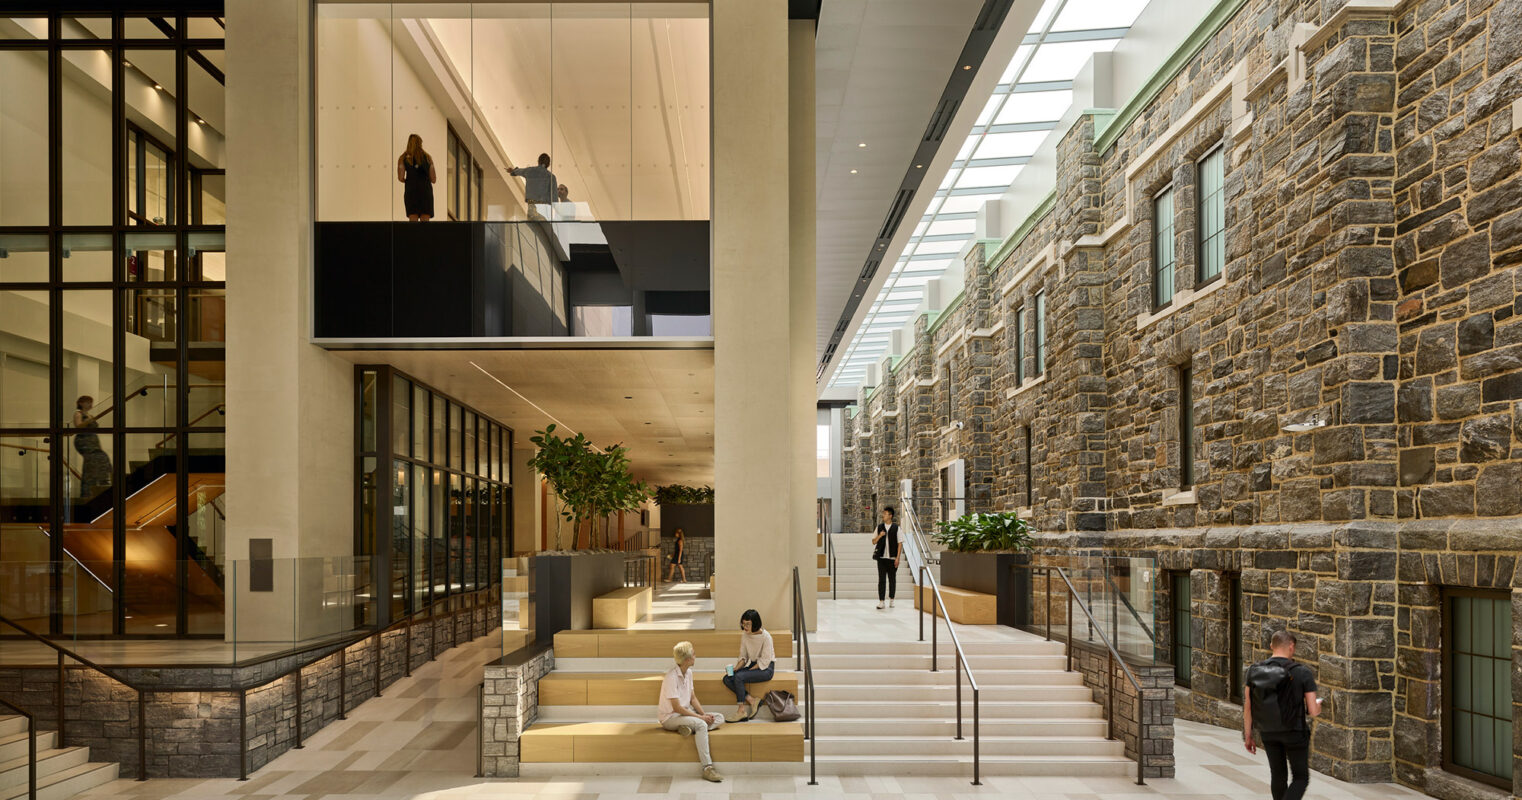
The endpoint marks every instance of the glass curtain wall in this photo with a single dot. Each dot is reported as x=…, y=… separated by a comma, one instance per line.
x=112, y=309
x=444, y=473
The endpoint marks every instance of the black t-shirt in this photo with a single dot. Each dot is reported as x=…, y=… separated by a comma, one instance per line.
x=1301, y=680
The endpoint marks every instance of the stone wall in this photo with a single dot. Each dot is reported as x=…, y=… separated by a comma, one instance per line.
x=1355, y=371
x=511, y=705
x=193, y=721
x=1157, y=705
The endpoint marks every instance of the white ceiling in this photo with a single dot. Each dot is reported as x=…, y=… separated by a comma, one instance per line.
x=880, y=68
x=658, y=403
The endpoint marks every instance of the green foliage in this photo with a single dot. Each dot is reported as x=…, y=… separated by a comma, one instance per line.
x=590, y=484
x=677, y=494
x=977, y=533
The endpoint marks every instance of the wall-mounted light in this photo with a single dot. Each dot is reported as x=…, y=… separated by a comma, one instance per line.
x=158, y=86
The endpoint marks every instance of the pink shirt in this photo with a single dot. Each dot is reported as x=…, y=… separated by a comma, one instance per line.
x=676, y=690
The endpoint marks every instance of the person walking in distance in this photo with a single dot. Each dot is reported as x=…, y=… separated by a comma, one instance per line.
x=885, y=552
x=1281, y=695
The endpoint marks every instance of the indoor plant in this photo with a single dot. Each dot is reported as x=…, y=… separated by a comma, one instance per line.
x=589, y=482
x=982, y=554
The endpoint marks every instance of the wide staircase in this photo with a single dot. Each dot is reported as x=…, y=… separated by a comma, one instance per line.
x=62, y=772
x=599, y=704
x=855, y=572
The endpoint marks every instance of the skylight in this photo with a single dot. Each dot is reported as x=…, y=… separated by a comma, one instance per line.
x=1034, y=91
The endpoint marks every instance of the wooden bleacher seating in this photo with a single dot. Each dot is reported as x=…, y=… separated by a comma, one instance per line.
x=621, y=608
x=962, y=605
x=601, y=742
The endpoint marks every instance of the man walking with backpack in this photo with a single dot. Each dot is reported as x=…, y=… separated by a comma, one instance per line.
x=1280, y=693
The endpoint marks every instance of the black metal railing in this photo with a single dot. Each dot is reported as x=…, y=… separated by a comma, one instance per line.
x=640, y=570
x=455, y=606
x=830, y=567
x=1114, y=660
x=805, y=665
x=926, y=578
x=31, y=747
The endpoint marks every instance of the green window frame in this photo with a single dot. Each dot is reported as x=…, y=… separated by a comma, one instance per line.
x=1211, y=183
x=1477, y=699
x=1019, y=345
x=1183, y=627
x=1185, y=427
x=1039, y=324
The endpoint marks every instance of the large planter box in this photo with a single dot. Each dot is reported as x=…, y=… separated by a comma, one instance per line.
x=992, y=573
x=561, y=588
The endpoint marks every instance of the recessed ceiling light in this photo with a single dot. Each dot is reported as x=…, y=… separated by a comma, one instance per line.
x=628, y=397
x=647, y=423
x=853, y=172
x=919, y=166
x=966, y=66
x=158, y=86
x=161, y=625
x=861, y=144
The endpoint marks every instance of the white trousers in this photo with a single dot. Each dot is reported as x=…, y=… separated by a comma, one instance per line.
x=699, y=731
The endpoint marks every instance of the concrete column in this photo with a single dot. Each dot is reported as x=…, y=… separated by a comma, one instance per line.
x=800, y=164
x=753, y=446
x=290, y=430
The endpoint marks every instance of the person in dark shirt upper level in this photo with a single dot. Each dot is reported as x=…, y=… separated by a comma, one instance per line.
x=539, y=183
x=1282, y=725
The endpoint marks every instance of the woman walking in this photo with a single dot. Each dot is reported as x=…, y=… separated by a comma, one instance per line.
x=414, y=169
x=95, y=474
x=885, y=552
x=676, y=556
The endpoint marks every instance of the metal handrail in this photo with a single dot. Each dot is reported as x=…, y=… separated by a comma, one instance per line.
x=805, y=663
x=31, y=747
x=916, y=537
x=1115, y=658
x=47, y=450
x=341, y=650
x=961, y=664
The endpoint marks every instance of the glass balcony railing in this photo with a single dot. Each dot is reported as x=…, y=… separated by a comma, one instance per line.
x=379, y=281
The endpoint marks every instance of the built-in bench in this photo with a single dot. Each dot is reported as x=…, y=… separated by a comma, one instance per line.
x=963, y=606
x=822, y=583
x=621, y=608
x=657, y=644
x=604, y=742
x=635, y=689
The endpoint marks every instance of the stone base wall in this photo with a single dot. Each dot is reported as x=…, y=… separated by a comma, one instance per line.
x=694, y=555
x=1157, y=706
x=511, y=704
x=196, y=733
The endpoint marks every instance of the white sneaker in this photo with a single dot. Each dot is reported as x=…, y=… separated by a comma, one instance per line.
x=890, y=602
x=712, y=774
x=880, y=604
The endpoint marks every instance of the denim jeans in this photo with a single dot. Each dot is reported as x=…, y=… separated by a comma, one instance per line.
x=737, y=681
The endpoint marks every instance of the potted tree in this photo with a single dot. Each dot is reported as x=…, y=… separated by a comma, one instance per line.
x=589, y=483
x=982, y=551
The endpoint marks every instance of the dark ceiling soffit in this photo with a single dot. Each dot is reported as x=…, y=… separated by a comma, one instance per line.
x=134, y=8
x=984, y=29
x=804, y=9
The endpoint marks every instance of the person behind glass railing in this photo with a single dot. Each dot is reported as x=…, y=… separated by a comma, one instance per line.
x=562, y=194
x=414, y=169
x=538, y=183
x=95, y=473
x=885, y=552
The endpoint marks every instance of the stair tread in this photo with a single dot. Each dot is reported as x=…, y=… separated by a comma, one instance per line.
x=44, y=781
x=986, y=757
x=42, y=755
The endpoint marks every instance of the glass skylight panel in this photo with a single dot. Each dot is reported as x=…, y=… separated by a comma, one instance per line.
x=1003, y=145
x=926, y=248
x=1011, y=72
x=971, y=202
x=949, y=180
x=942, y=227
x=989, y=176
x=1047, y=9
x=1034, y=107
x=989, y=110
x=1061, y=61
x=1083, y=15
x=972, y=141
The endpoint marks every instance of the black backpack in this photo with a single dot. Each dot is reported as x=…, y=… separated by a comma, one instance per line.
x=1272, y=695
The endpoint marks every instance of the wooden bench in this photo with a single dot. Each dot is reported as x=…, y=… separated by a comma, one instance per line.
x=822, y=584
x=658, y=643
x=643, y=689
x=621, y=608
x=603, y=742
x=962, y=605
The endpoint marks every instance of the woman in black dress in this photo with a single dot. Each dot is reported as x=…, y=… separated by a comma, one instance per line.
x=415, y=171
x=95, y=472
x=676, y=556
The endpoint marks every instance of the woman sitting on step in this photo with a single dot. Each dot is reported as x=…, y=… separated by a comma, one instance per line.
x=755, y=664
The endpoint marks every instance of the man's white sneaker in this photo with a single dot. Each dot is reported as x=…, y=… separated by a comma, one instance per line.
x=880, y=604
x=712, y=774
x=890, y=603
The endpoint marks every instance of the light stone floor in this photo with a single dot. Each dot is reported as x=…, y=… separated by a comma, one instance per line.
x=679, y=606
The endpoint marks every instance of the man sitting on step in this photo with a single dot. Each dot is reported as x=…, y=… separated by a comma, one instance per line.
x=680, y=710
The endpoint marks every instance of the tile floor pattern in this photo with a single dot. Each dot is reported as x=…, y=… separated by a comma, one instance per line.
x=418, y=742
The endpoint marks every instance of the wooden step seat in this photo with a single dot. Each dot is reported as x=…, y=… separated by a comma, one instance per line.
x=657, y=644
x=822, y=583
x=603, y=742
x=641, y=689
x=621, y=608
x=962, y=605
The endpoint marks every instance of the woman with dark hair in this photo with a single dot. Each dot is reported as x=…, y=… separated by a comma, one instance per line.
x=676, y=556
x=755, y=665
x=414, y=170
x=95, y=473
x=885, y=553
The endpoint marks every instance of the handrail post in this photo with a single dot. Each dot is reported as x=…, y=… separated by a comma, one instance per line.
x=377, y=649
x=919, y=603
x=1047, y=574
x=59, y=698
x=1110, y=696
x=1141, y=741
x=957, y=661
x=935, y=610
x=976, y=740
x=480, y=730
x=142, y=737
x=243, y=734
x=299, y=744
x=1071, y=599
x=343, y=680
x=407, y=670
x=31, y=757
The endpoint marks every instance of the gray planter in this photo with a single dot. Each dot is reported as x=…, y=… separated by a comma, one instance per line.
x=995, y=574
x=561, y=588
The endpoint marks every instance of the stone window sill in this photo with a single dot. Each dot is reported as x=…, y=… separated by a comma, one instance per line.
x=1182, y=300
x=1180, y=499
x=1029, y=384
